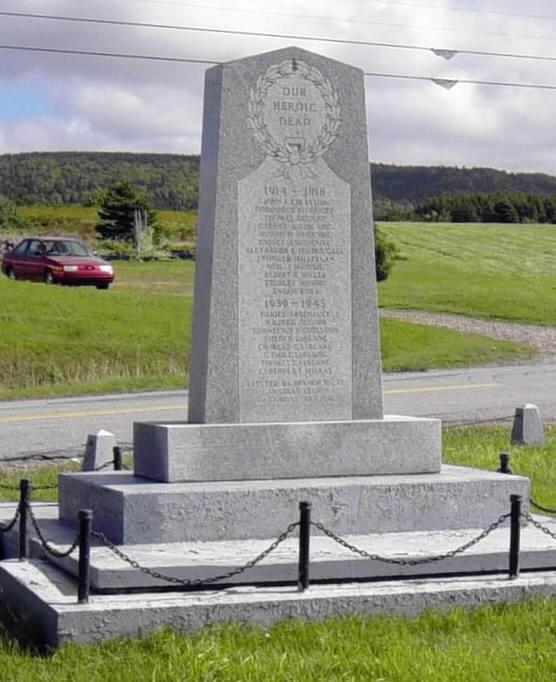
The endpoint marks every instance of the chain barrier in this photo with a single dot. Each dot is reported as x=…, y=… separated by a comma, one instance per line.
x=195, y=582
x=59, y=554
x=6, y=528
x=539, y=526
x=3, y=486
x=411, y=562
x=538, y=506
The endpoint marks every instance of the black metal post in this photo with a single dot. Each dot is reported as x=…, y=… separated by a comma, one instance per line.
x=515, y=529
x=304, y=545
x=84, y=575
x=24, y=498
x=117, y=452
x=505, y=463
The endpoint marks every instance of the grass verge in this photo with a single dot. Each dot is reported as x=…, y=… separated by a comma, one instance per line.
x=61, y=340
x=496, y=643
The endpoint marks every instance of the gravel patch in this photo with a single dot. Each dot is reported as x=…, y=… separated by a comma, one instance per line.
x=542, y=339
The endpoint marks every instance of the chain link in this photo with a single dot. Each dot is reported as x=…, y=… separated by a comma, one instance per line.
x=104, y=466
x=538, y=506
x=538, y=525
x=195, y=582
x=3, y=486
x=411, y=562
x=47, y=545
x=11, y=524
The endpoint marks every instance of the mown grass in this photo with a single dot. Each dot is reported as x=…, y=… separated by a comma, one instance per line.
x=495, y=271
x=61, y=340
x=480, y=447
x=496, y=643
x=56, y=340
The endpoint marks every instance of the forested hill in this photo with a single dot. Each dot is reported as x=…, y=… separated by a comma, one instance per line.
x=171, y=180
x=414, y=184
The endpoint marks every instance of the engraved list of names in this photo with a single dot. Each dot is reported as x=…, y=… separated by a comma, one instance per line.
x=294, y=256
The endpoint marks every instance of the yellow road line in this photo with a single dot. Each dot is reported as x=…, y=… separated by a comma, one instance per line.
x=427, y=389
x=95, y=413
x=182, y=406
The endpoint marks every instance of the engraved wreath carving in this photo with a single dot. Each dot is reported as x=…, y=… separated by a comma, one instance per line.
x=308, y=152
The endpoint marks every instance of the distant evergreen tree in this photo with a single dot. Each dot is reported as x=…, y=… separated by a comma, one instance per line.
x=117, y=212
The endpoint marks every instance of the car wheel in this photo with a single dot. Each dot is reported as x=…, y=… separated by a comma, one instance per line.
x=10, y=272
x=48, y=277
x=104, y=285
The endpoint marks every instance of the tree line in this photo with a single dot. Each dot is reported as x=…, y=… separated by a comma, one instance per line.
x=499, y=207
x=170, y=181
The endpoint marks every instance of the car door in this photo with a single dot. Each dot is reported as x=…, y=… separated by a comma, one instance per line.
x=17, y=259
x=34, y=259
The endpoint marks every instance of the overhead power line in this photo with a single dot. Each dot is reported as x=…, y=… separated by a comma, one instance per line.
x=450, y=8
x=446, y=53
x=397, y=3
x=360, y=20
x=447, y=83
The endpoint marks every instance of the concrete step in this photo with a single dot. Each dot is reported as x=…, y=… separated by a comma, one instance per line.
x=130, y=509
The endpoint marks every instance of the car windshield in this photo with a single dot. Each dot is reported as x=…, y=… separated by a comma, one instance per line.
x=66, y=248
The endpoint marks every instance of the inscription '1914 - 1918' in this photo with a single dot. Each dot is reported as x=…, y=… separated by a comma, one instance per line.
x=294, y=256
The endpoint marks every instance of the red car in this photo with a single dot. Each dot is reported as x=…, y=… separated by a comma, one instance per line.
x=60, y=260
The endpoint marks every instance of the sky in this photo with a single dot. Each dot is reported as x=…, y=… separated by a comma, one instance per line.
x=54, y=102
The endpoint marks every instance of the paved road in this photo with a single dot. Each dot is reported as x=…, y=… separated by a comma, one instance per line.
x=59, y=427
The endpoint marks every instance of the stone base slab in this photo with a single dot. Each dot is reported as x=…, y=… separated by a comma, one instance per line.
x=43, y=601
x=130, y=509
x=180, y=451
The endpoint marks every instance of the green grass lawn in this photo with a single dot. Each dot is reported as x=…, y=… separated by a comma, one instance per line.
x=495, y=271
x=56, y=341
x=496, y=643
x=62, y=340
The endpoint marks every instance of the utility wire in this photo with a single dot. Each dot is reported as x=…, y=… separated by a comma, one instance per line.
x=444, y=82
x=446, y=53
x=359, y=21
x=417, y=5
x=476, y=10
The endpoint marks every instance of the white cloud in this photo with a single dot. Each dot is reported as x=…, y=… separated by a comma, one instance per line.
x=117, y=104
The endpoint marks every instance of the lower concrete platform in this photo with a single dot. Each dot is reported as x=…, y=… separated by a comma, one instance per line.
x=329, y=560
x=130, y=509
x=42, y=600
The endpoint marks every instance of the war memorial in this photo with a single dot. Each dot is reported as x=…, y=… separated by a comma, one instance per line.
x=285, y=409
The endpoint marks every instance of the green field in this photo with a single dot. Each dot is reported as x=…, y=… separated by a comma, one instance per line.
x=61, y=340
x=56, y=341
x=496, y=643
x=496, y=271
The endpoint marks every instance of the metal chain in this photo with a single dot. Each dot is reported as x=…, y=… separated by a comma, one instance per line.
x=196, y=582
x=411, y=562
x=46, y=544
x=51, y=486
x=11, y=524
x=548, y=510
x=104, y=466
x=3, y=486
x=538, y=525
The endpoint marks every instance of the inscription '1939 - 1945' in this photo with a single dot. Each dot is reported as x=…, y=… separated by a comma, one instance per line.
x=295, y=305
